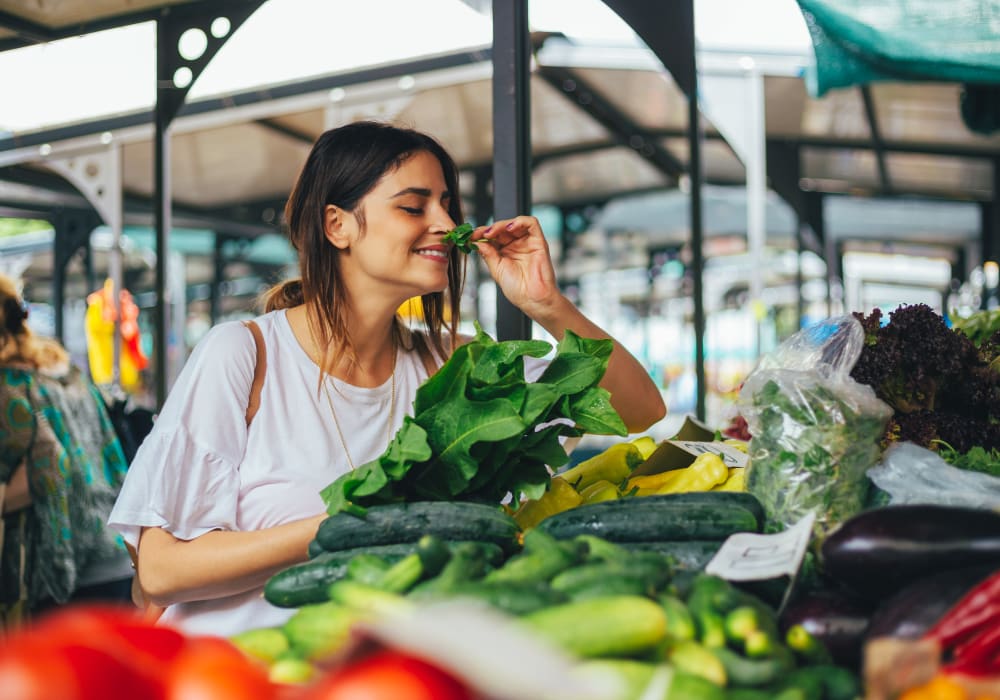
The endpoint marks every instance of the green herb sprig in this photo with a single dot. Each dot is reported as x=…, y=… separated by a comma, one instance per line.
x=460, y=236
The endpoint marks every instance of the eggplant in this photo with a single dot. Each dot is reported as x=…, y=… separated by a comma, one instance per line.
x=876, y=553
x=834, y=619
x=914, y=609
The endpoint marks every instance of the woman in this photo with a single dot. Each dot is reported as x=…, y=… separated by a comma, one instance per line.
x=215, y=508
x=60, y=469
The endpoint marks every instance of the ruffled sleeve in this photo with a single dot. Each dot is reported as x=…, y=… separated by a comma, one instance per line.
x=185, y=477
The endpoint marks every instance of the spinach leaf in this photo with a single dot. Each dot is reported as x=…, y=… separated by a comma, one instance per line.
x=480, y=431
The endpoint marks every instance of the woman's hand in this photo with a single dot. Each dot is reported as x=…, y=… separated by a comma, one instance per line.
x=517, y=255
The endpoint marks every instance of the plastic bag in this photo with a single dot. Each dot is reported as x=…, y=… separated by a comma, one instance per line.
x=910, y=473
x=815, y=431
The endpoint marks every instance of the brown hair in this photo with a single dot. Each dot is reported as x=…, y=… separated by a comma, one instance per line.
x=18, y=344
x=344, y=165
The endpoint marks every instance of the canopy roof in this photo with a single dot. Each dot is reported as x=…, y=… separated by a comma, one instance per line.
x=606, y=119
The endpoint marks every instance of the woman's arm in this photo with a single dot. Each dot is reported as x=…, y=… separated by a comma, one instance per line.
x=517, y=256
x=218, y=564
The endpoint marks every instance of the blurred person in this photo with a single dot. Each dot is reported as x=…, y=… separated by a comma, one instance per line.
x=61, y=466
x=216, y=503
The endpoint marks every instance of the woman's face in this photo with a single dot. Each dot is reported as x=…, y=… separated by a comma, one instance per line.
x=406, y=217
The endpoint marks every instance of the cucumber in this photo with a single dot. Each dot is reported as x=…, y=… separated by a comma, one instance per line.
x=603, y=578
x=513, y=598
x=395, y=523
x=367, y=568
x=468, y=563
x=697, y=659
x=306, y=583
x=690, y=555
x=309, y=582
x=751, y=673
x=656, y=518
x=314, y=549
x=602, y=627
x=542, y=558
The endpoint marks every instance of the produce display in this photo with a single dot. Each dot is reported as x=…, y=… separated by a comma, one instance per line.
x=603, y=563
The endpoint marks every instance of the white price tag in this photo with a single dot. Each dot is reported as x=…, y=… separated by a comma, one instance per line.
x=747, y=556
x=732, y=456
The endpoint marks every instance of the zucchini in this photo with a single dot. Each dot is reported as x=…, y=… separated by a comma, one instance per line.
x=394, y=523
x=655, y=518
x=599, y=627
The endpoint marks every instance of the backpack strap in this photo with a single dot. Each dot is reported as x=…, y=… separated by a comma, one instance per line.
x=259, y=370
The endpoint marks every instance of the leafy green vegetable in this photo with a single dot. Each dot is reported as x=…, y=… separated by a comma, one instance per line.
x=976, y=459
x=810, y=449
x=979, y=326
x=460, y=237
x=480, y=431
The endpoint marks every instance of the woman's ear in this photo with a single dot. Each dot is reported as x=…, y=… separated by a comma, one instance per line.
x=335, y=226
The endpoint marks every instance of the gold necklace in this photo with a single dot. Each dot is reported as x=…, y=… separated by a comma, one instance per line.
x=392, y=408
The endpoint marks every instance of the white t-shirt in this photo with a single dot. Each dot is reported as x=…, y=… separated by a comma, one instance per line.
x=200, y=469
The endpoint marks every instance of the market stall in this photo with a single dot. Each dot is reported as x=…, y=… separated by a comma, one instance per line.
x=850, y=548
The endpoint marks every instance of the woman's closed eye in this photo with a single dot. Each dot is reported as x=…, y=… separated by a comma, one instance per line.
x=413, y=210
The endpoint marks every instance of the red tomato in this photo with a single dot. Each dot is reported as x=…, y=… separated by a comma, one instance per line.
x=389, y=675
x=30, y=671
x=210, y=668
x=108, y=626
x=101, y=651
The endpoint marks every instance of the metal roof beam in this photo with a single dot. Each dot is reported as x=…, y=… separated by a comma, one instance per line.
x=26, y=30
x=279, y=128
x=621, y=126
x=878, y=145
x=76, y=29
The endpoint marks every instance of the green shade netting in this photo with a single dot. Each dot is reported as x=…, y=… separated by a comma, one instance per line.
x=863, y=41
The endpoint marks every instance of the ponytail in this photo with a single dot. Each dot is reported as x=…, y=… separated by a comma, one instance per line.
x=284, y=295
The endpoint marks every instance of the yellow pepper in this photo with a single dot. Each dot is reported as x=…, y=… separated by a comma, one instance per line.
x=646, y=445
x=705, y=473
x=560, y=496
x=600, y=491
x=614, y=465
x=649, y=484
x=736, y=481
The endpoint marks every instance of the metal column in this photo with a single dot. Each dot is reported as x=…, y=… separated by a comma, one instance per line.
x=511, y=136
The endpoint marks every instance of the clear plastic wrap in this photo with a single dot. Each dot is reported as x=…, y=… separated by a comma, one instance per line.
x=815, y=430
x=913, y=474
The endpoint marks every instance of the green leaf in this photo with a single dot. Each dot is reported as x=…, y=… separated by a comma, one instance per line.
x=454, y=427
x=460, y=237
x=593, y=413
x=449, y=378
x=596, y=347
x=571, y=373
x=408, y=446
x=538, y=400
x=499, y=359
